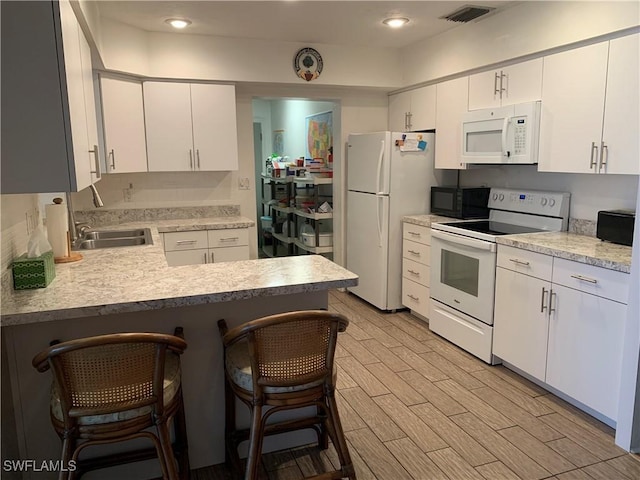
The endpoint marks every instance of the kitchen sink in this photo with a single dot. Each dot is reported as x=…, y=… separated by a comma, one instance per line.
x=100, y=234
x=113, y=238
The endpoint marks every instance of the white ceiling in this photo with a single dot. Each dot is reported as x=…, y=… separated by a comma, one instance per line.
x=350, y=23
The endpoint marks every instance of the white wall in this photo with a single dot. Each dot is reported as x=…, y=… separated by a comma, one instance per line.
x=20, y=216
x=523, y=29
x=589, y=193
x=203, y=57
x=290, y=116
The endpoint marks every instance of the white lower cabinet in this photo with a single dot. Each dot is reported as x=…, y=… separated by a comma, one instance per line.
x=206, y=246
x=415, y=268
x=562, y=322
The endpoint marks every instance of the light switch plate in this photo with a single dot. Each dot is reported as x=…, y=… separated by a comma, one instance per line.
x=243, y=183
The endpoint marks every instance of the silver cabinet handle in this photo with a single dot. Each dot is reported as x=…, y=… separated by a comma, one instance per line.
x=552, y=308
x=409, y=115
x=585, y=279
x=212, y=259
x=205, y=257
x=543, y=307
x=113, y=159
x=495, y=84
x=604, y=155
x=190, y=159
x=198, y=157
x=96, y=154
x=415, y=234
x=413, y=252
x=594, y=155
x=413, y=272
x=417, y=299
x=185, y=242
x=519, y=262
x=503, y=84
x=229, y=239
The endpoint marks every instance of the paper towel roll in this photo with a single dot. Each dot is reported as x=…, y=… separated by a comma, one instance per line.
x=57, y=228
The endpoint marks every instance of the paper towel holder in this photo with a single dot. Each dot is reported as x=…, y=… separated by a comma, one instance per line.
x=73, y=256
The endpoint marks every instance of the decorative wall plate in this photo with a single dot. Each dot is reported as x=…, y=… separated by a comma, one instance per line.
x=307, y=64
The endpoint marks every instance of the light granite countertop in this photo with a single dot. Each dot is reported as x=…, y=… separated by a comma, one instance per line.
x=571, y=246
x=130, y=279
x=427, y=219
x=579, y=248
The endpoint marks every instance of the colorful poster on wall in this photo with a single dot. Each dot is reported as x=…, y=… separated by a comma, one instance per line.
x=319, y=135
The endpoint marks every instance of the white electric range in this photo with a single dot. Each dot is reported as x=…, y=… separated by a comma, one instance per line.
x=463, y=263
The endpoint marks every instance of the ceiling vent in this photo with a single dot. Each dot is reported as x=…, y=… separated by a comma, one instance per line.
x=467, y=13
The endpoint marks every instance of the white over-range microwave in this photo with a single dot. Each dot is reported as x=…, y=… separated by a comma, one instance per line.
x=504, y=135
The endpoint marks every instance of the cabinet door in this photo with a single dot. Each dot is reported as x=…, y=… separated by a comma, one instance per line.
x=520, y=324
x=399, y=106
x=423, y=108
x=215, y=137
x=123, y=115
x=484, y=90
x=522, y=82
x=573, y=88
x=585, y=348
x=621, y=113
x=451, y=104
x=75, y=76
x=167, y=108
x=187, y=257
x=229, y=254
x=90, y=108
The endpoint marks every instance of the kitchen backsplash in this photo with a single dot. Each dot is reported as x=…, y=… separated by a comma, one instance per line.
x=582, y=227
x=99, y=218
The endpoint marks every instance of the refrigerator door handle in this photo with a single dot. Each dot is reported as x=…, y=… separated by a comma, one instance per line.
x=378, y=198
x=380, y=157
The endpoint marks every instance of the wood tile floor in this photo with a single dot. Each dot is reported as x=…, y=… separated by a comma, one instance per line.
x=415, y=407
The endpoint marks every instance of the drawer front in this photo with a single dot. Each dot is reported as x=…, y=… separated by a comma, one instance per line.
x=230, y=237
x=416, y=233
x=415, y=297
x=417, y=252
x=595, y=280
x=229, y=254
x=415, y=271
x=185, y=240
x=523, y=261
x=187, y=257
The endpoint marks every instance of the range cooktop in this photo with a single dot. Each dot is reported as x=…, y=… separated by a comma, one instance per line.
x=492, y=228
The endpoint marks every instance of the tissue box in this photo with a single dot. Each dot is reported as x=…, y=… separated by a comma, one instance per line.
x=37, y=272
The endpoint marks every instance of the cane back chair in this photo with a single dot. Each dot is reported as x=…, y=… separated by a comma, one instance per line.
x=112, y=388
x=284, y=362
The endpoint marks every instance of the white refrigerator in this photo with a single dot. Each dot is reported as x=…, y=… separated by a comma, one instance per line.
x=384, y=184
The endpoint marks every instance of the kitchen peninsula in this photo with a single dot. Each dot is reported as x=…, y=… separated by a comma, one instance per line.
x=132, y=289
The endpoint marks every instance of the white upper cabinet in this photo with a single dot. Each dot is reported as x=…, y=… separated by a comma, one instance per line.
x=123, y=119
x=190, y=127
x=581, y=87
x=215, y=137
x=451, y=104
x=49, y=132
x=413, y=110
x=517, y=83
x=622, y=103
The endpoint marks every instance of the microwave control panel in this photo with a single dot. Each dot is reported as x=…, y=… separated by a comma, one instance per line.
x=520, y=135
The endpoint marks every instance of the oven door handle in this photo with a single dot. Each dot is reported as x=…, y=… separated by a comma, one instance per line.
x=460, y=240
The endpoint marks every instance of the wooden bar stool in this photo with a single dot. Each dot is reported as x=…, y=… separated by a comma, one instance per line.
x=285, y=362
x=112, y=388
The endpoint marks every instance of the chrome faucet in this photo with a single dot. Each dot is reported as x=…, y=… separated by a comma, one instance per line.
x=77, y=229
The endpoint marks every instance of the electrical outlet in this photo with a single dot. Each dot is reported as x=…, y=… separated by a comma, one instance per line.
x=243, y=183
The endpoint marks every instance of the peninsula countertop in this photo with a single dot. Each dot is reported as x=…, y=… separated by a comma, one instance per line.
x=129, y=279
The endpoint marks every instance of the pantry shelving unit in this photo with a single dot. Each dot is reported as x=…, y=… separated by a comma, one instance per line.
x=316, y=190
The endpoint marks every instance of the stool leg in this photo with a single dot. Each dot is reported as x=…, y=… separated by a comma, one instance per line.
x=339, y=440
x=167, y=450
x=255, y=444
x=323, y=437
x=68, y=448
x=182, y=444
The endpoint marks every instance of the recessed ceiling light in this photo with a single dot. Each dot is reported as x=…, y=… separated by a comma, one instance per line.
x=178, y=22
x=396, y=22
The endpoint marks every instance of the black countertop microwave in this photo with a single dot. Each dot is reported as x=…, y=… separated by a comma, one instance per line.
x=460, y=202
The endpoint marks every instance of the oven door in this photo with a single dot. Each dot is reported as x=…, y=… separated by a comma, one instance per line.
x=463, y=274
